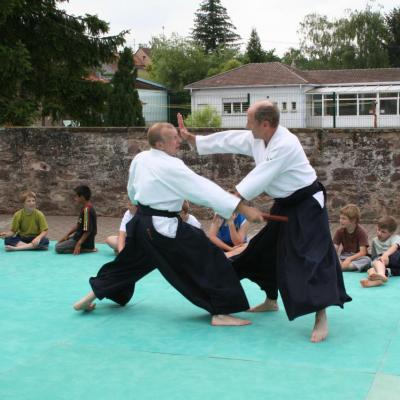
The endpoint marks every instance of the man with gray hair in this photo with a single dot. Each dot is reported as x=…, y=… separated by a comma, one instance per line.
x=157, y=237
x=295, y=257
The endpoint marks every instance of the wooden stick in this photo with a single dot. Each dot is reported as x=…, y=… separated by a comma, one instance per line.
x=271, y=217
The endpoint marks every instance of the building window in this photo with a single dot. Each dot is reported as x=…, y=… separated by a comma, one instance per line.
x=366, y=103
x=294, y=106
x=329, y=105
x=388, y=103
x=227, y=108
x=284, y=106
x=316, y=105
x=235, y=106
x=347, y=104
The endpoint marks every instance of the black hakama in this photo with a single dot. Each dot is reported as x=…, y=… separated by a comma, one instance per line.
x=296, y=257
x=192, y=264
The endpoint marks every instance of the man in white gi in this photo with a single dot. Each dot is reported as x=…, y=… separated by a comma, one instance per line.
x=158, y=238
x=296, y=257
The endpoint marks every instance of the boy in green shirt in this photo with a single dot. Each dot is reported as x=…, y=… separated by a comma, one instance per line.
x=28, y=228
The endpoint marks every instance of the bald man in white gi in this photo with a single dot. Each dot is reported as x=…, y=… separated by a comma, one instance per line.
x=157, y=237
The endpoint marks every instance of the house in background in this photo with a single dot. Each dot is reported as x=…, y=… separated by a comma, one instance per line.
x=142, y=57
x=319, y=98
x=154, y=98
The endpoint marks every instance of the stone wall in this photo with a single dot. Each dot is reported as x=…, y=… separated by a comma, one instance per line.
x=359, y=166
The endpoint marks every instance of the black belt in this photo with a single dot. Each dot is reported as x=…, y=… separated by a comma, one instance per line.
x=146, y=210
x=299, y=195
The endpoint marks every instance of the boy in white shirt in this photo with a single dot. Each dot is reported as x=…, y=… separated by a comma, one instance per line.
x=383, y=253
x=117, y=242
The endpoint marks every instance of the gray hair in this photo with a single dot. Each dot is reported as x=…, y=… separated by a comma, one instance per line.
x=267, y=111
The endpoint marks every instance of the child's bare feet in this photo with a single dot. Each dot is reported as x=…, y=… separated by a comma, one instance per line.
x=371, y=271
x=374, y=276
x=268, y=305
x=366, y=283
x=228, y=320
x=320, y=331
x=9, y=248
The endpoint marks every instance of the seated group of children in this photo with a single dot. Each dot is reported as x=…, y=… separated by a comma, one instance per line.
x=29, y=232
x=351, y=242
x=29, y=227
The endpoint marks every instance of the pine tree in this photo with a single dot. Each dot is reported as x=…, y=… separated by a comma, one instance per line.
x=212, y=27
x=254, y=50
x=124, y=106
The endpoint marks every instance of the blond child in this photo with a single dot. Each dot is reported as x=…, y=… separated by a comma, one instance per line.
x=28, y=227
x=351, y=240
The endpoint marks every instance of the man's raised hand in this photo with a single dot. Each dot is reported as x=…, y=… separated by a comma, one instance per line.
x=185, y=135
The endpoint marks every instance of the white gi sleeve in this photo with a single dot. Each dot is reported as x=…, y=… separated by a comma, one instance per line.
x=130, y=188
x=199, y=190
x=258, y=180
x=125, y=219
x=236, y=142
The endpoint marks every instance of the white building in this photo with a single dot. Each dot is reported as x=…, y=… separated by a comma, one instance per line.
x=154, y=98
x=319, y=98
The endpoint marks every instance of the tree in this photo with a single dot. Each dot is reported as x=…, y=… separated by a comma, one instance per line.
x=124, y=106
x=176, y=62
x=295, y=58
x=270, y=56
x=227, y=66
x=212, y=27
x=207, y=117
x=45, y=55
x=254, y=51
x=393, y=47
x=357, y=41
x=223, y=60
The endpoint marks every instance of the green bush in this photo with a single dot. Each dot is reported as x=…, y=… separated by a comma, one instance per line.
x=207, y=117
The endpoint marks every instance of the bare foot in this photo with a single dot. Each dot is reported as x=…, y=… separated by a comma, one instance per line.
x=371, y=271
x=377, y=277
x=9, y=248
x=228, y=320
x=86, y=303
x=366, y=283
x=268, y=305
x=320, y=331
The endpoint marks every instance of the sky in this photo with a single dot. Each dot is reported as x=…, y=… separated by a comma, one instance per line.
x=276, y=21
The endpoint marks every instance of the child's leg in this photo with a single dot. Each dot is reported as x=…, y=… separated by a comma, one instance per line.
x=20, y=246
x=66, y=247
x=379, y=271
x=361, y=264
x=346, y=266
x=112, y=241
x=366, y=283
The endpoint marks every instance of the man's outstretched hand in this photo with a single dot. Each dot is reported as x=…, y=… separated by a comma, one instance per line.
x=251, y=213
x=185, y=134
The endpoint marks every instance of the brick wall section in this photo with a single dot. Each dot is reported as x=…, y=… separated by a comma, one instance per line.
x=356, y=165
